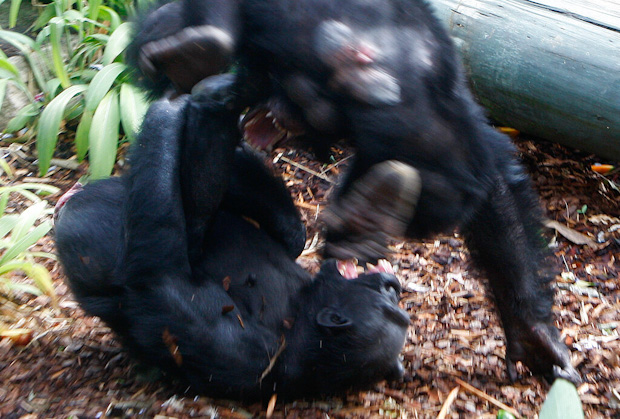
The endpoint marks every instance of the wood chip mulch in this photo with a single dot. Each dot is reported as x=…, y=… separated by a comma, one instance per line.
x=454, y=355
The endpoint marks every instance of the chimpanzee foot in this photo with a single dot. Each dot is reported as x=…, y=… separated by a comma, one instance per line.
x=219, y=90
x=539, y=347
x=188, y=56
x=379, y=205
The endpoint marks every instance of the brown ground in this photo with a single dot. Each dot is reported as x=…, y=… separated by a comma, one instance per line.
x=74, y=366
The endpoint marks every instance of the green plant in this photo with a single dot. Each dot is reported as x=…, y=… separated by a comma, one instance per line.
x=77, y=63
x=562, y=402
x=19, y=232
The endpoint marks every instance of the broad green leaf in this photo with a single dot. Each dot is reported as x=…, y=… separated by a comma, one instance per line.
x=25, y=242
x=22, y=42
x=53, y=85
x=11, y=266
x=117, y=43
x=502, y=414
x=27, y=220
x=57, y=26
x=7, y=65
x=107, y=13
x=7, y=222
x=93, y=9
x=73, y=16
x=4, y=166
x=45, y=16
x=562, y=402
x=39, y=187
x=133, y=107
x=23, y=117
x=3, y=83
x=101, y=84
x=103, y=137
x=49, y=125
x=13, y=12
x=46, y=255
x=101, y=38
x=4, y=199
x=24, y=288
x=41, y=278
x=81, y=135
x=43, y=35
x=27, y=194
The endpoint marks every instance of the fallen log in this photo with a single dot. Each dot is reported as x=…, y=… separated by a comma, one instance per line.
x=550, y=68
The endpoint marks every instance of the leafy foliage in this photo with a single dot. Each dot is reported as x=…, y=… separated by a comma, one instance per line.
x=562, y=402
x=19, y=232
x=77, y=64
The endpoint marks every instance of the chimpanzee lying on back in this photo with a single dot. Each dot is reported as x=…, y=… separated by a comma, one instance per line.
x=384, y=74
x=190, y=259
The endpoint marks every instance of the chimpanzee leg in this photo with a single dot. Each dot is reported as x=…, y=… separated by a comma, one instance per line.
x=210, y=135
x=377, y=205
x=155, y=221
x=504, y=241
x=255, y=192
x=89, y=244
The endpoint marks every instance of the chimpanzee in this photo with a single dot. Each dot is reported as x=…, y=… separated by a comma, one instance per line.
x=384, y=74
x=190, y=259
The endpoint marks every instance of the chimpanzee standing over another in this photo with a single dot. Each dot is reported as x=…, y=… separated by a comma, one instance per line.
x=384, y=74
x=190, y=258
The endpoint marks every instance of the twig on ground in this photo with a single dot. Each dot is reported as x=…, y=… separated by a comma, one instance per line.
x=488, y=398
x=449, y=400
x=306, y=169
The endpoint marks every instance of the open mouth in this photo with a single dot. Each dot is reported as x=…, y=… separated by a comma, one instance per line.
x=270, y=124
x=350, y=269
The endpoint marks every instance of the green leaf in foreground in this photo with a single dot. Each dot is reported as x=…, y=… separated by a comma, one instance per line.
x=133, y=107
x=103, y=137
x=49, y=125
x=562, y=402
x=502, y=414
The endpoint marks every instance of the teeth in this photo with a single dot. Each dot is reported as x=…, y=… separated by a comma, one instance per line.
x=350, y=269
x=250, y=122
x=347, y=268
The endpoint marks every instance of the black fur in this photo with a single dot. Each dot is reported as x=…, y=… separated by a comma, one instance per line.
x=194, y=268
x=405, y=100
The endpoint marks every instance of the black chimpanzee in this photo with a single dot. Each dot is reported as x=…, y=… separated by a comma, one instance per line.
x=190, y=259
x=384, y=74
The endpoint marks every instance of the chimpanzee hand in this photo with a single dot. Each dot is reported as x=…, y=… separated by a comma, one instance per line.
x=378, y=205
x=538, y=345
x=188, y=56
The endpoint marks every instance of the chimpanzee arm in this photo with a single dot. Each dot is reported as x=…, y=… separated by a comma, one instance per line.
x=210, y=135
x=180, y=43
x=174, y=318
x=255, y=192
x=155, y=222
x=504, y=240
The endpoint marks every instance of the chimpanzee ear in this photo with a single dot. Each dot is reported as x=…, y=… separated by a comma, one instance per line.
x=332, y=319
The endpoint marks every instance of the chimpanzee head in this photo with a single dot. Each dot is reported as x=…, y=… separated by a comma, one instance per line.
x=349, y=331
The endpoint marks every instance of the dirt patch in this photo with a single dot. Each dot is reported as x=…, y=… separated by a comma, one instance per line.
x=74, y=366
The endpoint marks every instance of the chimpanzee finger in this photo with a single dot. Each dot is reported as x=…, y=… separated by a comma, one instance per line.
x=568, y=373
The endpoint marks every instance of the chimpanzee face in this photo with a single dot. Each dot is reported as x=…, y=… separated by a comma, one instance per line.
x=357, y=322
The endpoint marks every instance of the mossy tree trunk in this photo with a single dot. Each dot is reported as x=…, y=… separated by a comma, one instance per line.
x=549, y=67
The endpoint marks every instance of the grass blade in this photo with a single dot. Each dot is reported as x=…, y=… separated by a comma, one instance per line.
x=133, y=107
x=49, y=125
x=101, y=84
x=103, y=138
x=57, y=26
